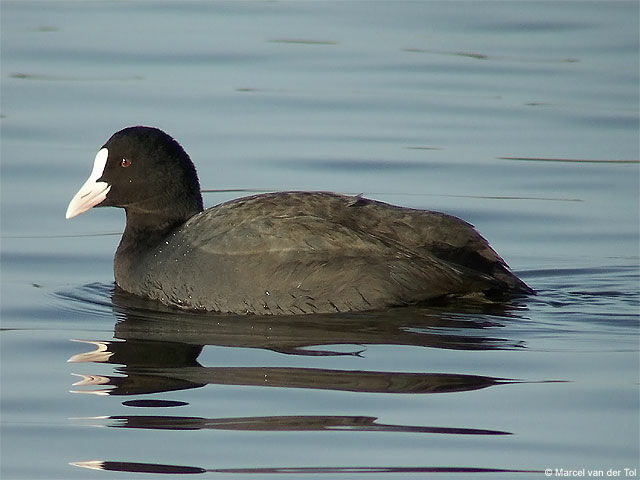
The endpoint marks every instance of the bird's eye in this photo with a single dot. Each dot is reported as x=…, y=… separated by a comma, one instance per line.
x=124, y=163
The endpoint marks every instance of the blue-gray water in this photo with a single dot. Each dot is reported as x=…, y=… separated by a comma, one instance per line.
x=520, y=117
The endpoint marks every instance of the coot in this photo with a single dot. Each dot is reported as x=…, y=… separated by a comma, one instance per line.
x=277, y=253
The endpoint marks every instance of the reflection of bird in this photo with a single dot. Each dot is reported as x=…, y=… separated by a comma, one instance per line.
x=277, y=253
x=284, y=424
x=149, y=368
x=157, y=350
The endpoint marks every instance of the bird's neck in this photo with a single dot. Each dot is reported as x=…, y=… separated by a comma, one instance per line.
x=145, y=229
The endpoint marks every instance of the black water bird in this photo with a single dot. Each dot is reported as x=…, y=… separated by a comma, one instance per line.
x=277, y=253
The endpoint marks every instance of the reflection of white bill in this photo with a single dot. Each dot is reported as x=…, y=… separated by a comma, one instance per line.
x=100, y=354
x=91, y=380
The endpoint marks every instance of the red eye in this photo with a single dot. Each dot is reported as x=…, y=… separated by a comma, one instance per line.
x=124, y=163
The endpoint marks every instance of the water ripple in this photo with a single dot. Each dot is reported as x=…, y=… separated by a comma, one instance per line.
x=93, y=299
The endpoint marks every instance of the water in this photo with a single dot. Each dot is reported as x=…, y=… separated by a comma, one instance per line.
x=520, y=117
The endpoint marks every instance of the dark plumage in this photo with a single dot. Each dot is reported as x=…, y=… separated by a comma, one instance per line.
x=277, y=253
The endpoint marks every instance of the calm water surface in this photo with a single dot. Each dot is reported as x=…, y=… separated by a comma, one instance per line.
x=519, y=117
